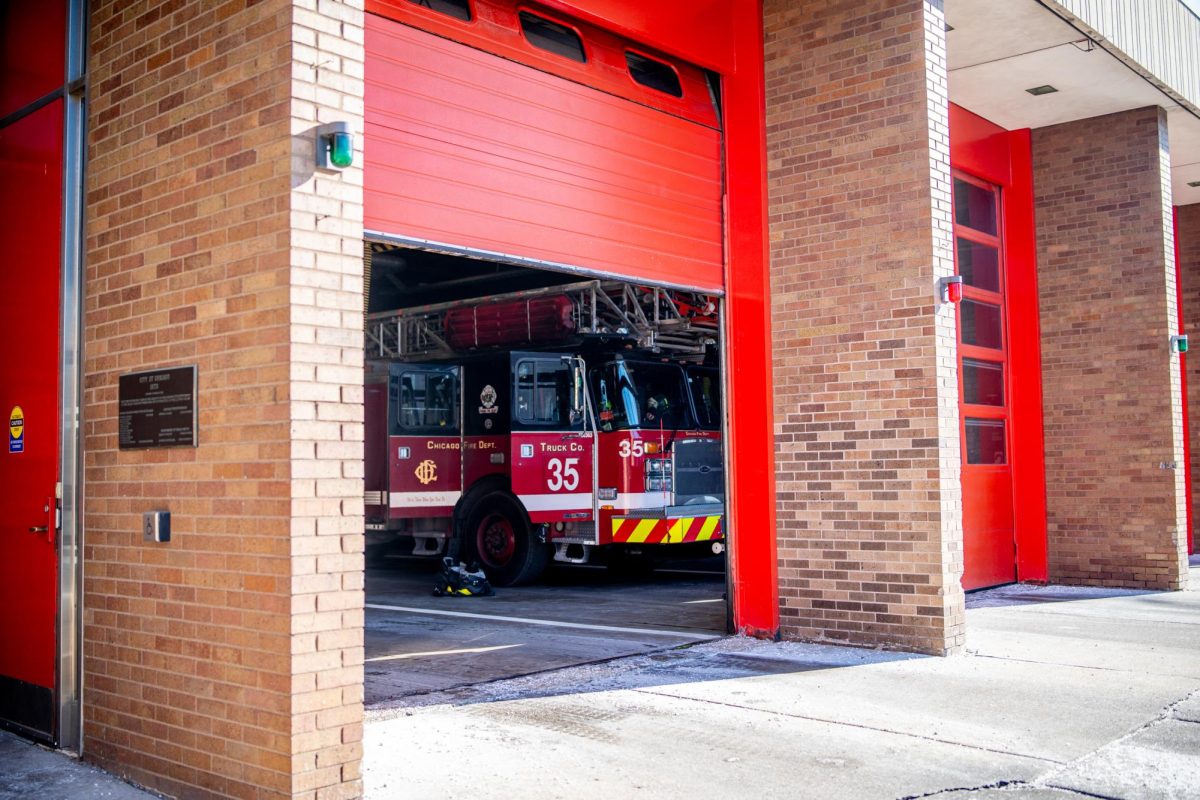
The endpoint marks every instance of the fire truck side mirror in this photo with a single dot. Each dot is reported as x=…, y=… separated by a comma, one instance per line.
x=577, y=390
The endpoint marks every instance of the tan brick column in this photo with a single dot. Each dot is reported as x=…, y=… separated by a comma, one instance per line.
x=1188, y=242
x=869, y=501
x=1111, y=390
x=227, y=662
x=326, y=408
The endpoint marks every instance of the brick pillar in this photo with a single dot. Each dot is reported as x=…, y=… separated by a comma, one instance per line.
x=326, y=408
x=869, y=500
x=1111, y=389
x=227, y=662
x=1188, y=242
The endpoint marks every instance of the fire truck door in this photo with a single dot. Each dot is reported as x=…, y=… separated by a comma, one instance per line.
x=552, y=447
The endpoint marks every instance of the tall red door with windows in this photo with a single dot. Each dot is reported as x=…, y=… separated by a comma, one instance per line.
x=989, y=546
x=999, y=362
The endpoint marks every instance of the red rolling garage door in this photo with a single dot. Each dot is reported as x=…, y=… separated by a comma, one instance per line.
x=470, y=148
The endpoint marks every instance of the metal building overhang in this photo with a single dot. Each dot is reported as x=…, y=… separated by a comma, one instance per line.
x=998, y=51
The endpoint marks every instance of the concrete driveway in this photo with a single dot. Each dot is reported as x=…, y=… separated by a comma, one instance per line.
x=1063, y=692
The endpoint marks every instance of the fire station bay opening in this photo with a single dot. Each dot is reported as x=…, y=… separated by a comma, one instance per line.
x=544, y=473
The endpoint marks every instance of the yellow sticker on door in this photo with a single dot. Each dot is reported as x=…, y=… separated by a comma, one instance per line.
x=16, y=430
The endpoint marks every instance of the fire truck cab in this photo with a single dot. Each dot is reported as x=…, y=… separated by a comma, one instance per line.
x=585, y=450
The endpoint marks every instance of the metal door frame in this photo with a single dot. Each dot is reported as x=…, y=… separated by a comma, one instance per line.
x=70, y=489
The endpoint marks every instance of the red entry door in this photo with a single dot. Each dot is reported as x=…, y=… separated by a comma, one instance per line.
x=989, y=543
x=31, y=201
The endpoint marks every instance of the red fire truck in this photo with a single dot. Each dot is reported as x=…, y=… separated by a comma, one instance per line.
x=581, y=423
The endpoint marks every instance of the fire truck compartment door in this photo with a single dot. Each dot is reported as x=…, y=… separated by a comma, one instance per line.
x=470, y=150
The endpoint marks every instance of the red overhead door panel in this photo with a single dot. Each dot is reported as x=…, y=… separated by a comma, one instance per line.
x=469, y=149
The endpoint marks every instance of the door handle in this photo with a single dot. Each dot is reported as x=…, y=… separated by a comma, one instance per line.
x=39, y=528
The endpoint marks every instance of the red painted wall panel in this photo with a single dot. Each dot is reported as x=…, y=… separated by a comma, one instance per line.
x=750, y=504
x=983, y=149
x=1029, y=471
x=467, y=148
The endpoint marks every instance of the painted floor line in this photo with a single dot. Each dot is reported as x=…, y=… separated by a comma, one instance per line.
x=460, y=651
x=546, y=622
x=697, y=602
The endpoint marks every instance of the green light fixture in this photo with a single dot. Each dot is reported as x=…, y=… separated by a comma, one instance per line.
x=335, y=145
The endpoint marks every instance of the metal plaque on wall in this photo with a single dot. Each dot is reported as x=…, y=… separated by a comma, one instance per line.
x=157, y=408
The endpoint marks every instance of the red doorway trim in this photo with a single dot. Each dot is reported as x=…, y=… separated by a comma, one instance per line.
x=1004, y=158
x=751, y=501
x=727, y=38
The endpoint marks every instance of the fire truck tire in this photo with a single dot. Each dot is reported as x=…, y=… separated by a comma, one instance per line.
x=498, y=534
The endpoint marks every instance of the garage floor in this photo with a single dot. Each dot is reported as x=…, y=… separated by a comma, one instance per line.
x=417, y=643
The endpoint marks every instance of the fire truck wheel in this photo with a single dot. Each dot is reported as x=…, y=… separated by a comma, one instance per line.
x=500, y=537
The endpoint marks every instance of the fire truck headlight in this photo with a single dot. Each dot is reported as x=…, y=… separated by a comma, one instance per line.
x=658, y=475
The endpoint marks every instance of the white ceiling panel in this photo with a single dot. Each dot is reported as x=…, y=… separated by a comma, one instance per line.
x=997, y=50
x=1089, y=85
x=985, y=30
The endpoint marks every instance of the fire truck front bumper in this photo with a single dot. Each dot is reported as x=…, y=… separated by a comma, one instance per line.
x=670, y=525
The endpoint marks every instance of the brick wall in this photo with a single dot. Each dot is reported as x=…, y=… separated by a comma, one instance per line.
x=1111, y=390
x=211, y=666
x=869, y=501
x=1188, y=242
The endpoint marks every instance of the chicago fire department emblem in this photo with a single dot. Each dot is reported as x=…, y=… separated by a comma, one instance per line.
x=487, y=399
x=426, y=472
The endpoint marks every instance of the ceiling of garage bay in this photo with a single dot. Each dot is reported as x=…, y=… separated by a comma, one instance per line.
x=997, y=50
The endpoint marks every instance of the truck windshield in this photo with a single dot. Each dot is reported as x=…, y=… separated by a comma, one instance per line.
x=705, y=383
x=640, y=394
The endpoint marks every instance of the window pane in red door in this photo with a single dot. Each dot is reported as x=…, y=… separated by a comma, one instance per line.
x=983, y=383
x=974, y=206
x=985, y=441
x=981, y=325
x=979, y=265
x=32, y=42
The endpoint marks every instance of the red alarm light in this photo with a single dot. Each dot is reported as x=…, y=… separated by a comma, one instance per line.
x=951, y=289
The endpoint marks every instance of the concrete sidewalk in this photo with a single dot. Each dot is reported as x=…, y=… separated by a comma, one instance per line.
x=1063, y=693
x=29, y=771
